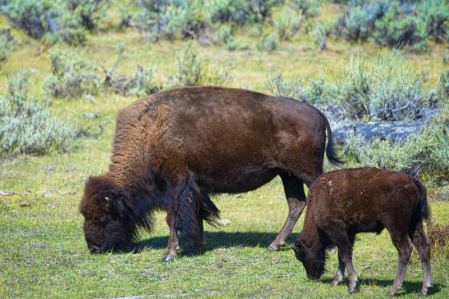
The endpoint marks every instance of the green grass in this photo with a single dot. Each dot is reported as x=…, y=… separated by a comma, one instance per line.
x=42, y=248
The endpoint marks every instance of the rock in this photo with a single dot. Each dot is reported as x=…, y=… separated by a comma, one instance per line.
x=24, y=204
x=224, y=221
x=91, y=115
x=396, y=131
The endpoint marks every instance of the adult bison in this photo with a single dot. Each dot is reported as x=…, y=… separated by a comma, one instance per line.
x=175, y=147
x=346, y=202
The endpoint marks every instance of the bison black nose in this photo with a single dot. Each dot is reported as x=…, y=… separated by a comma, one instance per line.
x=94, y=248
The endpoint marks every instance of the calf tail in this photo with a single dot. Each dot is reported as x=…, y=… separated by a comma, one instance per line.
x=425, y=212
x=330, y=151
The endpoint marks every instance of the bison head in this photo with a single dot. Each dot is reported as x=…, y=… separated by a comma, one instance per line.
x=109, y=220
x=313, y=260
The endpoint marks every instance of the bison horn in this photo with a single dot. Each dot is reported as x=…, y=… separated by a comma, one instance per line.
x=109, y=203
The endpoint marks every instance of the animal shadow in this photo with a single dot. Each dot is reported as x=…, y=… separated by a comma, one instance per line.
x=221, y=240
x=408, y=287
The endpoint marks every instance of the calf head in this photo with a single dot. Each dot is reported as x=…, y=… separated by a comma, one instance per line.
x=312, y=259
x=109, y=220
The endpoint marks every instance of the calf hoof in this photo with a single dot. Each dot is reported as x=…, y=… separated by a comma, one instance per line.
x=168, y=257
x=351, y=291
x=336, y=283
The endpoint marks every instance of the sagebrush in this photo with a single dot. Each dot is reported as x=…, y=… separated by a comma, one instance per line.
x=25, y=123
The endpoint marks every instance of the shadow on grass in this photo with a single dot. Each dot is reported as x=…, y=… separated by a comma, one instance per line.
x=221, y=239
x=408, y=287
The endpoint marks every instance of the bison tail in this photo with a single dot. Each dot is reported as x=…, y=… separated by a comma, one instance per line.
x=425, y=211
x=330, y=150
x=208, y=211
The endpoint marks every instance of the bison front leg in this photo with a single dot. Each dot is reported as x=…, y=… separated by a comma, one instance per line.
x=296, y=198
x=173, y=245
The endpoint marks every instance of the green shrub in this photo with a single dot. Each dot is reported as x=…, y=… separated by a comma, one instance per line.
x=435, y=15
x=59, y=20
x=140, y=83
x=444, y=81
x=189, y=65
x=6, y=41
x=172, y=19
x=225, y=35
x=91, y=12
x=320, y=30
x=426, y=153
x=194, y=70
x=268, y=43
x=396, y=30
x=26, y=125
x=359, y=19
x=72, y=76
x=315, y=91
x=27, y=15
x=239, y=11
x=287, y=24
x=279, y=87
x=389, y=88
x=309, y=8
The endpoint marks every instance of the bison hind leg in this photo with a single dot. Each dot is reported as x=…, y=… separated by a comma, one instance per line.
x=296, y=198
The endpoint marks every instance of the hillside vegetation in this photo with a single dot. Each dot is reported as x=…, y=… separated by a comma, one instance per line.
x=66, y=67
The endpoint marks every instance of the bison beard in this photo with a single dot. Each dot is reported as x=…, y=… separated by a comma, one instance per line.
x=174, y=148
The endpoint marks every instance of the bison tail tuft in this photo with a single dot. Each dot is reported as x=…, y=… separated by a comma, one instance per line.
x=330, y=150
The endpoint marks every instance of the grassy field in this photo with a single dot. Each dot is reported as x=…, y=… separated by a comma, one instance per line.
x=42, y=248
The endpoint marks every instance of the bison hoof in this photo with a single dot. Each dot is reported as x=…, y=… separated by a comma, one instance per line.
x=168, y=257
x=351, y=291
x=389, y=294
x=271, y=249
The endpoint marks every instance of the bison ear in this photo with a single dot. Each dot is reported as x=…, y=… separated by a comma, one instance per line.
x=120, y=207
x=109, y=203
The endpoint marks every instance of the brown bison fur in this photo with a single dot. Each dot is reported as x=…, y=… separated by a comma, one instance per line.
x=346, y=202
x=175, y=147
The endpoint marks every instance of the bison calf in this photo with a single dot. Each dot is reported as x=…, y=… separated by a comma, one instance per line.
x=346, y=202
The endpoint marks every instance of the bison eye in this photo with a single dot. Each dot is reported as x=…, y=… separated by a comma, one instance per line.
x=103, y=221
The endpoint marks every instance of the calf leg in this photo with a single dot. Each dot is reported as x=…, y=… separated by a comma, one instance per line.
x=296, y=198
x=421, y=242
x=345, y=244
x=340, y=275
x=404, y=248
